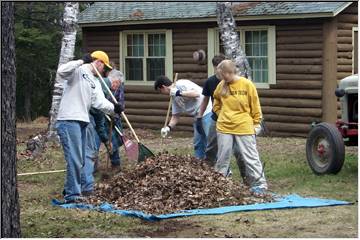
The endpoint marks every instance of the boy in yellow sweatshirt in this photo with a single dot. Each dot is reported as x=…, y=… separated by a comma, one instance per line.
x=237, y=106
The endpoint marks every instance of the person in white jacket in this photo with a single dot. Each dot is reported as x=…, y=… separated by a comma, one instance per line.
x=82, y=91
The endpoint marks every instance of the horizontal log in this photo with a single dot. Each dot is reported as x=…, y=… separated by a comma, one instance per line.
x=296, y=39
x=157, y=119
x=139, y=89
x=300, y=46
x=348, y=18
x=344, y=47
x=344, y=40
x=100, y=37
x=106, y=48
x=299, y=61
x=298, y=27
x=296, y=84
x=158, y=126
x=190, y=31
x=188, y=48
x=146, y=97
x=290, y=93
x=345, y=25
x=309, y=112
x=312, y=32
x=290, y=102
x=287, y=134
x=189, y=41
x=288, y=127
x=344, y=33
x=300, y=54
x=146, y=112
x=344, y=61
x=341, y=75
x=193, y=75
x=303, y=77
x=290, y=118
x=182, y=54
x=184, y=60
x=344, y=68
x=347, y=55
x=189, y=68
x=299, y=69
x=146, y=105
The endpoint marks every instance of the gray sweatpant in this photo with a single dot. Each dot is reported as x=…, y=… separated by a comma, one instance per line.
x=247, y=157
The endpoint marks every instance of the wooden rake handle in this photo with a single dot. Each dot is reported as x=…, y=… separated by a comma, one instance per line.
x=114, y=99
x=170, y=102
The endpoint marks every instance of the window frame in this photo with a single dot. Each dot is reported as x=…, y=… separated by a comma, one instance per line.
x=354, y=29
x=214, y=47
x=168, y=53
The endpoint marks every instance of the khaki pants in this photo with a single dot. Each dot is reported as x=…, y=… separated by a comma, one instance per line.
x=247, y=157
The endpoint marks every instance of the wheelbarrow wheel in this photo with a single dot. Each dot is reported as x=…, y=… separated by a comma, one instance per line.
x=325, y=150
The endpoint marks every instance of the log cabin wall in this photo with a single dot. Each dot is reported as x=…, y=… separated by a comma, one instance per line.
x=346, y=20
x=289, y=106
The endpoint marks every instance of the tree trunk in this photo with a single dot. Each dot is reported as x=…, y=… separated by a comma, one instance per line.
x=29, y=81
x=66, y=54
x=10, y=211
x=230, y=39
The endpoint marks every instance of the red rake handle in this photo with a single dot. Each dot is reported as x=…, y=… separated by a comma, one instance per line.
x=114, y=99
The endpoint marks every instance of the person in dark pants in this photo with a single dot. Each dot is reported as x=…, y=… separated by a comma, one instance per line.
x=208, y=91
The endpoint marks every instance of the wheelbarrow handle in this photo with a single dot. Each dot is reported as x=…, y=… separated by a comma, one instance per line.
x=114, y=99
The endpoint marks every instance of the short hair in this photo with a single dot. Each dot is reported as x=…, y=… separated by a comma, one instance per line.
x=218, y=59
x=162, y=80
x=116, y=74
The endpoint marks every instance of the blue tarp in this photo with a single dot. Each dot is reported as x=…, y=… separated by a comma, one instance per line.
x=289, y=201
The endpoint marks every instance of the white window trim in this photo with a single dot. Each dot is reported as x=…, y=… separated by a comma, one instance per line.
x=213, y=47
x=354, y=29
x=168, y=50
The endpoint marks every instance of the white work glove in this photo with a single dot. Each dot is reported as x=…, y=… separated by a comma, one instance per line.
x=257, y=129
x=174, y=92
x=165, y=131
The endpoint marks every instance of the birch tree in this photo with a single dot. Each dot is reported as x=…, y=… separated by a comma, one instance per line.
x=66, y=54
x=10, y=210
x=230, y=39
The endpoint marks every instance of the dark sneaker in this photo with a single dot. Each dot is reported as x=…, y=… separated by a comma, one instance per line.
x=75, y=200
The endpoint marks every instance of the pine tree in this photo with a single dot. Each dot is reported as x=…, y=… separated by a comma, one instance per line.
x=10, y=210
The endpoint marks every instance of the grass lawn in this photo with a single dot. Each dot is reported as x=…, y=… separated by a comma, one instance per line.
x=286, y=170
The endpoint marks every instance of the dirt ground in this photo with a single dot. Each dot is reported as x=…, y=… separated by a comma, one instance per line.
x=286, y=170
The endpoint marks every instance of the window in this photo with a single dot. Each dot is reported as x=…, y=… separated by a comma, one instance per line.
x=144, y=55
x=355, y=50
x=259, y=46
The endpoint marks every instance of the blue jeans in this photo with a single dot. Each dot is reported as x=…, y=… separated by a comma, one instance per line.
x=78, y=171
x=200, y=141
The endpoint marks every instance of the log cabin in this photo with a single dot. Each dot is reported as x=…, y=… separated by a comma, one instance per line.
x=297, y=51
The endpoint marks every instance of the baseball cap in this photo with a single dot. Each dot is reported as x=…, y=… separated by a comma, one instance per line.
x=101, y=56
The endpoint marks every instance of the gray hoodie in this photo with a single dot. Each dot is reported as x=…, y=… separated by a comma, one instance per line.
x=81, y=91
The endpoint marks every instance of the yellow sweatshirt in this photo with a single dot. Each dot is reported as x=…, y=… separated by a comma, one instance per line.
x=239, y=111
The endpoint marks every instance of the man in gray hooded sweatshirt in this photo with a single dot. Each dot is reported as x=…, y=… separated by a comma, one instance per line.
x=82, y=91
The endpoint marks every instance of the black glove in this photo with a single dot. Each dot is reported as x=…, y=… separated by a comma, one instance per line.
x=87, y=58
x=118, y=108
x=199, y=126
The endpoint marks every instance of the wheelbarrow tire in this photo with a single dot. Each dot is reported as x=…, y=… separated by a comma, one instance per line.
x=327, y=137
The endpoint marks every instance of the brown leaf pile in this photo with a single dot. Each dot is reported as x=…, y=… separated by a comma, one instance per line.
x=167, y=183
